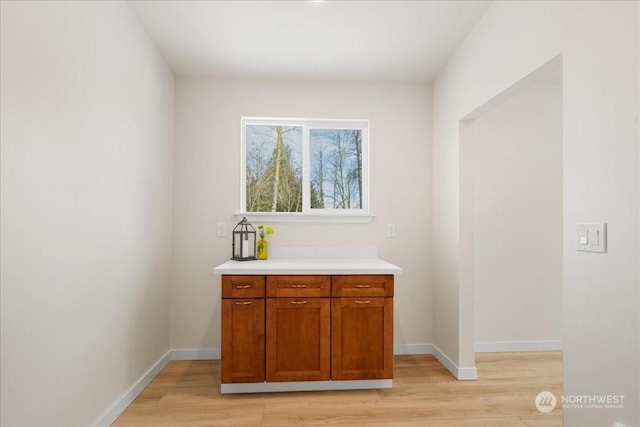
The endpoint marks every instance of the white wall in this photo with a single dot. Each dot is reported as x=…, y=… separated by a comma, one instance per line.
x=207, y=180
x=517, y=209
x=86, y=131
x=599, y=46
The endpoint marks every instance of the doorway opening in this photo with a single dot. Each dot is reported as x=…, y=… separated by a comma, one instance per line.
x=511, y=216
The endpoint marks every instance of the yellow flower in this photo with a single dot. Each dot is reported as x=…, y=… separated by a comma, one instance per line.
x=262, y=231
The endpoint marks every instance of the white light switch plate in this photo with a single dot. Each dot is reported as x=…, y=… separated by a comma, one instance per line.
x=591, y=237
x=222, y=229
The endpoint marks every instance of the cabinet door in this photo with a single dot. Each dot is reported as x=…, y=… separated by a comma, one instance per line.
x=298, y=339
x=361, y=338
x=243, y=333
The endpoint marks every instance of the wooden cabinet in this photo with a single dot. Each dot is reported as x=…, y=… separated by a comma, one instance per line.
x=298, y=328
x=298, y=339
x=293, y=328
x=362, y=327
x=298, y=286
x=361, y=338
x=375, y=285
x=243, y=329
x=243, y=286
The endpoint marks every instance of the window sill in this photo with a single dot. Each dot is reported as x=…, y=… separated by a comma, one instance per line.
x=256, y=217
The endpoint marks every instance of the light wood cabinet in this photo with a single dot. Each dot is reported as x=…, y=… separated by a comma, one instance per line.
x=314, y=328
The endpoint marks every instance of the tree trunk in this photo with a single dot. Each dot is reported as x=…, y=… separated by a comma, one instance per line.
x=320, y=183
x=276, y=179
x=358, y=142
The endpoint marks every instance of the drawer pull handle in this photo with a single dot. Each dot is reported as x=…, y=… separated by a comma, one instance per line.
x=298, y=286
x=362, y=302
x=243, y=302
x=242, y=286
x=299, y=302
x=363, y=286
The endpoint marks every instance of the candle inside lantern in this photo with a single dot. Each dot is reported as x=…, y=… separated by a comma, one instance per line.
x=245, y=246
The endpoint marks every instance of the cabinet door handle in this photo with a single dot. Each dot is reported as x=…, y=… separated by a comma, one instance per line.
x=243, y=302
x=298, y=286
x=242, y=286
x=299, y=302
x=362, y=302
x=363, y=286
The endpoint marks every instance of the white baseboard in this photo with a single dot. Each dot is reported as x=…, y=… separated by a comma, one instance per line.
x=514, y=346
x=404, y=349
x=195, y=354
x=460, y=373
x=129, y=396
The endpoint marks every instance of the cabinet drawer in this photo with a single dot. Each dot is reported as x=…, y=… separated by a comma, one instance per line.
x=243, y=286
x=374, y=285
x=298, y=286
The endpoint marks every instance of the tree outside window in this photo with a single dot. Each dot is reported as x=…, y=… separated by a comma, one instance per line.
x=305, y=166
x=336, y=168
x=274, y=168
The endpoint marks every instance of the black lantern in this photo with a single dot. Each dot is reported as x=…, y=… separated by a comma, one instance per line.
x=244, y=241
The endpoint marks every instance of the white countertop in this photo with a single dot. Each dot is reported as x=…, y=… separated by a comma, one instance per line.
x=309, y=266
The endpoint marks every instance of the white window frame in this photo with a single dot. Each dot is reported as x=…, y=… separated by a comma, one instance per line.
x=308, y=214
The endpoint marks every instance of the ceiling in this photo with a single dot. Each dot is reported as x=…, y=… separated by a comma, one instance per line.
x=407, y=41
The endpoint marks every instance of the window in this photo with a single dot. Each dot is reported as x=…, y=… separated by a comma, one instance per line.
x=305, y=167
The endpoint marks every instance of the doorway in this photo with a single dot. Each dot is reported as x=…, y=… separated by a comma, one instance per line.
x=511, y=215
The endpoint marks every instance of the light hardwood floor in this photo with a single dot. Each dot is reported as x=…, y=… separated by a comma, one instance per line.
x=187, y=393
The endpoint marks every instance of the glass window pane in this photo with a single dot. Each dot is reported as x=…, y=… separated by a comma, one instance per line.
x=336, y=168
x=274, y=168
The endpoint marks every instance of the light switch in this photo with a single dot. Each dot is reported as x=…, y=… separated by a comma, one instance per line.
x=592, y=237
x=222, y=229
